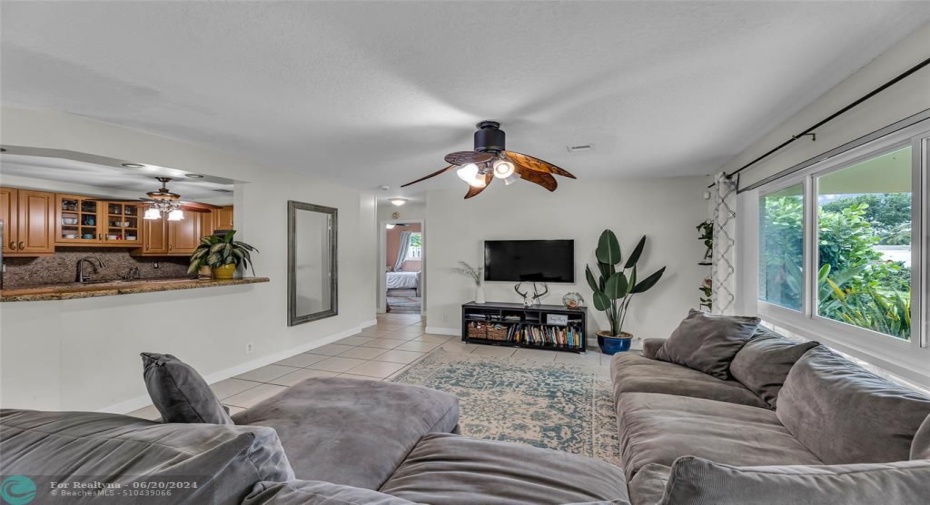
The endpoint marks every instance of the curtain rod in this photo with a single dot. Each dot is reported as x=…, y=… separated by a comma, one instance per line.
x=810, y=131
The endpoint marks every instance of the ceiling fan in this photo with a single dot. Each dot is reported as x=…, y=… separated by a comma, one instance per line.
x=163, y=201
x=491, y=160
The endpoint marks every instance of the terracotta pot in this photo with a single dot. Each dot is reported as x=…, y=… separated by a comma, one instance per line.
x=224, y=272
x=610, y=344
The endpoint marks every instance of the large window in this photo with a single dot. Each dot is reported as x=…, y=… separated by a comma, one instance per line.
x=781, y=246
x=415, y=248
x=864, y=244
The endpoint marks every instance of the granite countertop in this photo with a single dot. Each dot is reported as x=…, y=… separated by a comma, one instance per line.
x=76, y=290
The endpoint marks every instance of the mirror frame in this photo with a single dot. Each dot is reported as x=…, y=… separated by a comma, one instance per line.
x=293, y=318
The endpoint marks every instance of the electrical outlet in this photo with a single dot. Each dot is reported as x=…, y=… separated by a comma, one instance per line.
x=248, y=348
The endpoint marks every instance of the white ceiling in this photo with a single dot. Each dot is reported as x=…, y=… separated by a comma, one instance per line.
x=374, y=93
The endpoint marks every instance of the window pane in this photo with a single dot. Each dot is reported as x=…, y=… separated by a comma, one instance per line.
x=415, y=249
x=781, y=247
x=864, y=243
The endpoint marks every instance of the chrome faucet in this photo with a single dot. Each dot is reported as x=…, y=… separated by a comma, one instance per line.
x=80, y=267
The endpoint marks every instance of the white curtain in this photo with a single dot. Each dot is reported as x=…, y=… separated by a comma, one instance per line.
x=723, y=270
x=402, y=250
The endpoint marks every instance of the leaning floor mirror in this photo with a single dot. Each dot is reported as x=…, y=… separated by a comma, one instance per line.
x=311, y=262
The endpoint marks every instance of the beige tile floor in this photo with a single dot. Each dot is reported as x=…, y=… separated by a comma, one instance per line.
x=379, y=352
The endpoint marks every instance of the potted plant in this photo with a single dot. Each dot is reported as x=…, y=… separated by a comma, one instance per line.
x=614, y=289
x=222, y=254
x=473, y=273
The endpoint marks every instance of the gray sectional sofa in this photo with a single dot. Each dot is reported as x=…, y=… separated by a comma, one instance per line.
x=791, y=424
x=324, y=441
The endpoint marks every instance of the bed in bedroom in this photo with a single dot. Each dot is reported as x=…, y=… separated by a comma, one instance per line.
x=403, y=280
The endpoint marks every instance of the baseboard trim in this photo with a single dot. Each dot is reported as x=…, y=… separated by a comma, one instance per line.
x=455, y=332
x=370, y=323
x=144, y=400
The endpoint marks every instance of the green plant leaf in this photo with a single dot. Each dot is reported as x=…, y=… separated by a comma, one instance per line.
x=637, y=252
x=592, y=282
x=616, y=287
x=648, y=282
x=601, y=302
x=608, y=248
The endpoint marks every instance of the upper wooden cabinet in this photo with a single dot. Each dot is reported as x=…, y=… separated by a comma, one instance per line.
x=28, y=218
x=86, y=221
x=161, y=237
x=223, y=218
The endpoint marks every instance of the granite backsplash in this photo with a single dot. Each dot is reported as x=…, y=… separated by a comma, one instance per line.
x=61, y=267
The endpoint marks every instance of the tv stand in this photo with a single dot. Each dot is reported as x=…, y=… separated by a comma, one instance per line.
x=549, y=327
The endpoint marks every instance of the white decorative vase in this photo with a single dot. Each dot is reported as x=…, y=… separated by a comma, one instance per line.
x=479, y=294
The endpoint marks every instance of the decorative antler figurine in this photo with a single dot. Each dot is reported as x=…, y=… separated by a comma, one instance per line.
x=531, y=300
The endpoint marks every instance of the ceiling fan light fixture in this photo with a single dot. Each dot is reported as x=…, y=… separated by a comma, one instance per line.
x=152, y=213
x=397, y=202
x=176, y=215
x=510, y=179
x=390, y=226
x=468, y=172
x=503, y=169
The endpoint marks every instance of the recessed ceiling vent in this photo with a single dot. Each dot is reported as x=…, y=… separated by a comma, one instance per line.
x=223, y=190
x=580, y=148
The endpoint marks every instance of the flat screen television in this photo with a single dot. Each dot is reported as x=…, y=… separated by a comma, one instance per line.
x=529, y=260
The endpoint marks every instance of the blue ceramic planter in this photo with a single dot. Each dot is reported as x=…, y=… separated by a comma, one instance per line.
x=613, y=345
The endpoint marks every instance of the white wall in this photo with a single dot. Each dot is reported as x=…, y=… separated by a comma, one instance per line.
x=666, y=210
x=84, y=354
x=904, y=99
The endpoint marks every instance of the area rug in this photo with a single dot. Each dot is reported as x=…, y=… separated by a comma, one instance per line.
x=403, y=301
x=552, y=405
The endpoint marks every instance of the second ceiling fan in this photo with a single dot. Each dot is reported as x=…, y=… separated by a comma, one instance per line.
x=490, y=160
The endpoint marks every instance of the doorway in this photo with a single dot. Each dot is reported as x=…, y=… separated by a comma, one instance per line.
x=404, y=257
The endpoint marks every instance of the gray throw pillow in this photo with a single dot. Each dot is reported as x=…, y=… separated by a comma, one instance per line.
x=179, y=393
x=308, y=492
x=920, y=447
x=708, y=343
x=764, y=362
x=696, y=481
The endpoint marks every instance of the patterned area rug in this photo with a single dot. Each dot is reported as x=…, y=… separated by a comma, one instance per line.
x=403, y=301
x=551, y=405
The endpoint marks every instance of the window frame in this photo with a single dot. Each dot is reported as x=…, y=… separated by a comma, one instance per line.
x=908, y=358
x=410, y=247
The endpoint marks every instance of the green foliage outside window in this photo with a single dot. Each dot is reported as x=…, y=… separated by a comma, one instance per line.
x=854, y=284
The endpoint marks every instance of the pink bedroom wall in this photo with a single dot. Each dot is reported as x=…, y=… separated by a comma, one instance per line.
x=393, y=243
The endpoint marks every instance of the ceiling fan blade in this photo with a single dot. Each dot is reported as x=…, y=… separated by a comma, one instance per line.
x=537, y=164
x=194, y=208
x=112, y=200
x=543, y=179
x=205, y=207
x=434, y=174
x=465, y=157
x=473, y=191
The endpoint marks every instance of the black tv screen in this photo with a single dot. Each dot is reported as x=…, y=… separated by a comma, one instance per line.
x=529, y=260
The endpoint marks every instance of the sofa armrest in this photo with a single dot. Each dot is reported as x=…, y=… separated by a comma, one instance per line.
x=651, y=347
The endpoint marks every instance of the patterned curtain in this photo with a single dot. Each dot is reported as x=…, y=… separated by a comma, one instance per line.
x=723, y=270
x=402, y=250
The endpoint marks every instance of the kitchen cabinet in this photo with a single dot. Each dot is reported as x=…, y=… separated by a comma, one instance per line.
x=207, y=223
x=87, y=221
x=28, y=218
x=161, y=237
x=223, y=218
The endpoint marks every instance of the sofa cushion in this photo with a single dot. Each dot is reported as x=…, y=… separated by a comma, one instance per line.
x=696, y=481
x=657, y=428
x=920, y=447
x=352, y=432
x=452, y=469
x=708, y=342
x=648, y=486
x=179, y=393
x=224, y=460
x=846, y=414
x=764, y=362
x=306, y=492
x=631, y=373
